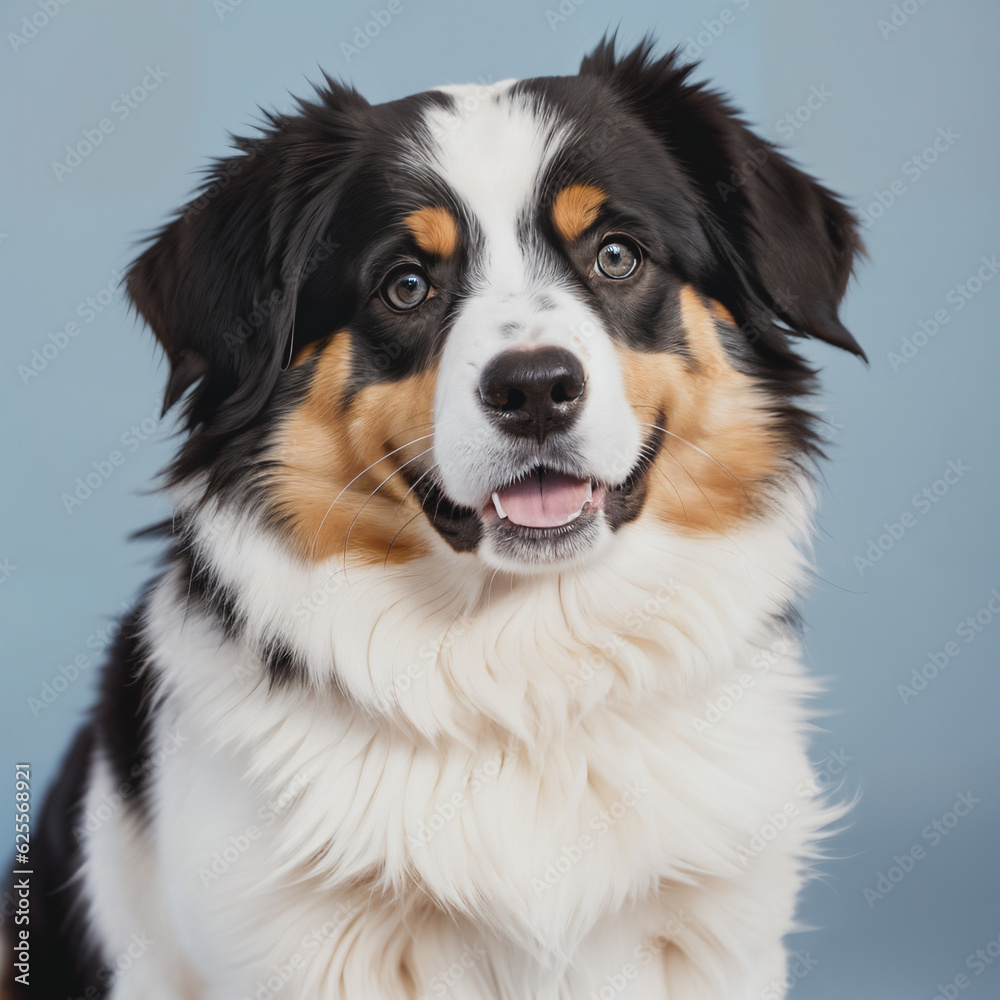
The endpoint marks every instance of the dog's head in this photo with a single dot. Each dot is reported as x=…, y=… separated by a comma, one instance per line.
x=514, y=317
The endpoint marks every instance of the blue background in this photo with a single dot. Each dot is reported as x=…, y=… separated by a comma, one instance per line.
x=895, y=426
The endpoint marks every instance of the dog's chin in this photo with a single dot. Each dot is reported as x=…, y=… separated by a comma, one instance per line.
x=526, y=548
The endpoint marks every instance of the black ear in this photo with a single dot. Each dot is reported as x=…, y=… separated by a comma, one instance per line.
x=790, y=241
x=218, y=284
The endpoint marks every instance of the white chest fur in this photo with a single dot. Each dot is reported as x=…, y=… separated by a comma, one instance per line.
x=529, y=757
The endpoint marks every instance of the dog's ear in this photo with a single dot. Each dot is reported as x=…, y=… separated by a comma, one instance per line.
x=218, y=284
x=791, y=242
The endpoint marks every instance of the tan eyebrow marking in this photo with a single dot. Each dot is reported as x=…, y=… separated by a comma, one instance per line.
x=721, y=313
x=575, y=208
x=435, y=230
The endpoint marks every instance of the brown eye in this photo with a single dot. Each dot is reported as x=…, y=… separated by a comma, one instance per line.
x=405, y=288
x=617, y=258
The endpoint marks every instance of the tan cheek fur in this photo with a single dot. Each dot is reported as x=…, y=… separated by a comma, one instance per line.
x=715, y=477
x=323, y=449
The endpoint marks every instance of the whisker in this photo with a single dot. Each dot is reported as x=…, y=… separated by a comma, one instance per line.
x=312, y=550
x=697, y=486
x=426, y=472
x=347, y=539
x=744, y=558
x=385, y=562
x=701, y=451
x=447, y=632
x=489, y=595
x=670, y=483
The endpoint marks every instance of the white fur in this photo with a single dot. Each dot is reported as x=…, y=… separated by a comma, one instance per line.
x=538, y=701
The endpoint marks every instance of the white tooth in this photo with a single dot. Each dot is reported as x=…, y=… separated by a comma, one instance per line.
x=590, y=495
x=496, y=503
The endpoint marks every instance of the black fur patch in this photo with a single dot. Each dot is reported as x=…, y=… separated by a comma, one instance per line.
x=201, y=588
x=283, y=665
x=123, y=714
x=62, y=965
x=459, y=526
x=625, y=503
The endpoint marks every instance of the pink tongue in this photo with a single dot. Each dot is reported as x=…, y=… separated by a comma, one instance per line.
x=543, y=500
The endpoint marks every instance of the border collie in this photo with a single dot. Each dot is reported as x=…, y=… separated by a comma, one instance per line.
x=473, y=670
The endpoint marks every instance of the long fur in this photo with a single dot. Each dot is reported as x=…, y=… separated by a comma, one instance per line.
x=366, y=738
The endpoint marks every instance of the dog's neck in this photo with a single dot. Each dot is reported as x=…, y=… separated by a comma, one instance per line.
x=591, y=684
x=443, y=645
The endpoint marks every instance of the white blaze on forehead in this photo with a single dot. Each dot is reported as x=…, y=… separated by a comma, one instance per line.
x=490, y=148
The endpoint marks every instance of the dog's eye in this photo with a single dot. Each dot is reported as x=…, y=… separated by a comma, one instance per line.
x=618, y=258
x=405, y=287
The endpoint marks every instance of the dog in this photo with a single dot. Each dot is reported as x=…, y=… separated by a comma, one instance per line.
x=474, y=668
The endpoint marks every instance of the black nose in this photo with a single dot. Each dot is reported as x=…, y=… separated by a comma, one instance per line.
x=532, y=393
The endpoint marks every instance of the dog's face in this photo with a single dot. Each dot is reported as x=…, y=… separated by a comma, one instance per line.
x=515, y=317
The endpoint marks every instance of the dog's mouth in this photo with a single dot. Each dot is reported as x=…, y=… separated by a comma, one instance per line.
x=545, y=514
x=544, y=498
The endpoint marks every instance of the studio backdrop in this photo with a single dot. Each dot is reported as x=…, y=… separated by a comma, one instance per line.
x=110, y=109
